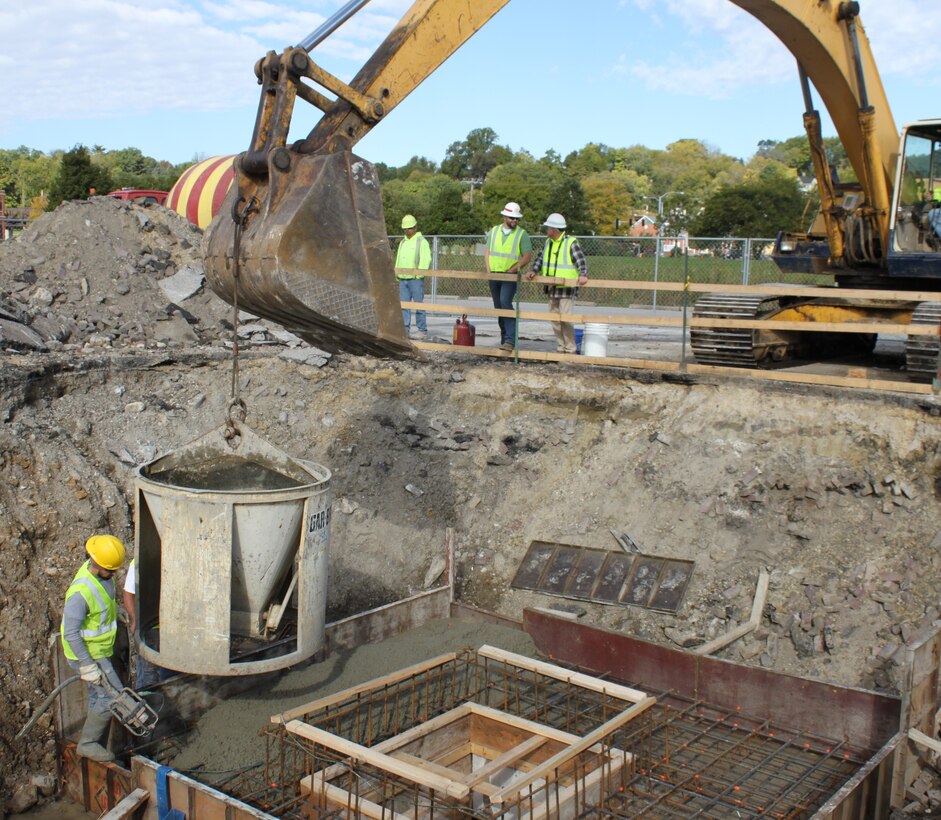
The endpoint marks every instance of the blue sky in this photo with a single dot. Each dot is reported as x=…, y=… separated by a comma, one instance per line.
x=175, y=77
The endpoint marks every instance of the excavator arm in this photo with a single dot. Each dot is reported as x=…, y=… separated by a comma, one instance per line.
x=302, y=240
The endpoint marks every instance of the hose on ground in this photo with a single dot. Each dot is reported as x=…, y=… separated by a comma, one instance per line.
x=45, y=705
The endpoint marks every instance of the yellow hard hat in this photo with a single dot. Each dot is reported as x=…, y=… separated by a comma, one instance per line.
x=409, y=221
x=106, y=551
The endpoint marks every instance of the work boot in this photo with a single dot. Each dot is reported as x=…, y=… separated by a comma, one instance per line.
x=89, y=742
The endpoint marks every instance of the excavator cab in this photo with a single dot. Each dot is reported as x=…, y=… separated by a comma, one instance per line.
x=916, y=213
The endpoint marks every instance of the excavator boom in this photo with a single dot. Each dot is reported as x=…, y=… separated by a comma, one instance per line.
x=301, y=238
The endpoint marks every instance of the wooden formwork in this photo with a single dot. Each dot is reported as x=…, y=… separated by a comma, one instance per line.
x=468, y=756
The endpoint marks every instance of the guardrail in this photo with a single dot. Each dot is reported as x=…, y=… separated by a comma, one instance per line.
x=687, y=293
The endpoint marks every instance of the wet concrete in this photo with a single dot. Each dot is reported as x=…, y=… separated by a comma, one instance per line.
x=227, y=737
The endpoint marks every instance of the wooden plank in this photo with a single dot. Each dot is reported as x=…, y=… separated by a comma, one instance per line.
x=678, y=322
x=708, y=287
x=195, y=799
x=128, y=805
x=922, y=739
x=339, y=697
x=408, y=736
x=813, y=378
x=589, y=791
x=545, y=770
x=792, y=377
x=757, y=608
x=386, y=762
x=552, y=671
x=528, y=726
x=504, y=761
x=430, y=765
x=383, y=622
x=343, y=799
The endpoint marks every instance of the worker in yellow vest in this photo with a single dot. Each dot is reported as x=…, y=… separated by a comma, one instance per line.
x=563, y=259
x=88, y=631
x=509, y=250
x=413, y=256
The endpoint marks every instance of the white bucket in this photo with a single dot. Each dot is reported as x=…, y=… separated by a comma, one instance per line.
x=595, y=340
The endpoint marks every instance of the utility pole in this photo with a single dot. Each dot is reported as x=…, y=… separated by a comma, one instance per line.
x=472, y=183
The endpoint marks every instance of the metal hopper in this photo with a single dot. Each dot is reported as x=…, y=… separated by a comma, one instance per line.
x=232, y=556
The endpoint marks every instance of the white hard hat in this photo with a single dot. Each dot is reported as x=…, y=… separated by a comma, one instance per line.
x=512, y=210
x=555, y=221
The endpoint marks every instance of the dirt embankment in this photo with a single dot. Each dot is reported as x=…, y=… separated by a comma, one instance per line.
x=834, y=493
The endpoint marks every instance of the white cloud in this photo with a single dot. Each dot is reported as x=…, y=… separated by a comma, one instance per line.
x=111, y=57
x=726, y=50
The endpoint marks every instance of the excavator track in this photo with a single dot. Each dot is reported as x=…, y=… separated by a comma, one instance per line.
x=921, y=352
x=729, y=347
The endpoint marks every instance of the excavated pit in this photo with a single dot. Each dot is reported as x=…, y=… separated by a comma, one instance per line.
x=833, y=492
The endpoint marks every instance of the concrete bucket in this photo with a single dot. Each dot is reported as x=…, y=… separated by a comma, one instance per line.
x=232, y=556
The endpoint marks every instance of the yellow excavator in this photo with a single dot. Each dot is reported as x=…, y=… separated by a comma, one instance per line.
x=301, y=238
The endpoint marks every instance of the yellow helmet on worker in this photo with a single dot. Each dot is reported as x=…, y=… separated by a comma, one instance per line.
x=409, y=221
x=107, y=551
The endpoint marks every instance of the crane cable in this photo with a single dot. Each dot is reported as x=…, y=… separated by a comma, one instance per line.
x=237, y=409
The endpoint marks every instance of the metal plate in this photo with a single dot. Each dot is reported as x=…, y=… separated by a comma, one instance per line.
x=604, y=577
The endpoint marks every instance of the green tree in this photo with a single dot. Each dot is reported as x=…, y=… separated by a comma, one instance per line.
x=610, y=199
x=416, y=163
x=794, y=152
x=475, y=156
x=76, y=176
x=759, y=208
x=592, y=159
x=435, y=200
x=24, y=174
x=529, y=183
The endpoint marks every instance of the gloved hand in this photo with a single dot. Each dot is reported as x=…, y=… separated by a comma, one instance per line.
x=91, y=673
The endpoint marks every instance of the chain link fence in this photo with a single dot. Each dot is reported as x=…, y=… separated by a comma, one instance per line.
x=706, y=260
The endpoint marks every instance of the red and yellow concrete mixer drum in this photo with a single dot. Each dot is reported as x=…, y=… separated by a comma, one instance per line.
x=199, y=192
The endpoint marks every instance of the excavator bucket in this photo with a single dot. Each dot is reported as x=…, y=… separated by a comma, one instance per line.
x=313, y=253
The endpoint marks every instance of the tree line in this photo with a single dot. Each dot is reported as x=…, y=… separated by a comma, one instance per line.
x=601, y=190
x=40, y=181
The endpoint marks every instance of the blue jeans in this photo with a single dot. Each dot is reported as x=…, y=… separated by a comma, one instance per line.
x=413, y=290
x=149, y=674
x=502, y=294
x=99, y=700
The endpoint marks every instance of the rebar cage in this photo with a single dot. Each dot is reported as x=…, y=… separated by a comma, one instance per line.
x=471, y=735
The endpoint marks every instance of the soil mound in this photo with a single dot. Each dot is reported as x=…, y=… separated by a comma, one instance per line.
x=106, y=273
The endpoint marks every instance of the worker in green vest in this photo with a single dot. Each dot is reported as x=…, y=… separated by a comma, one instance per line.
x=88, y=630
x=509, y=250
x=413, y=255
x=562, y=259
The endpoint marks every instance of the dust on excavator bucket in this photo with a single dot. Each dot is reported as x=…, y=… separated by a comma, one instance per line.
x=314, y=256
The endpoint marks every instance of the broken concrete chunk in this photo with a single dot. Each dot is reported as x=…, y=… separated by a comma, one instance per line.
x=310, y=356
x=19, y=337
x=186, y=282
x=437, y=567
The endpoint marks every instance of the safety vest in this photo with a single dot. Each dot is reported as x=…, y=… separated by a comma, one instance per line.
x=101, y=623
x=414, y=253
x=504, y=248
x=557, y=261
